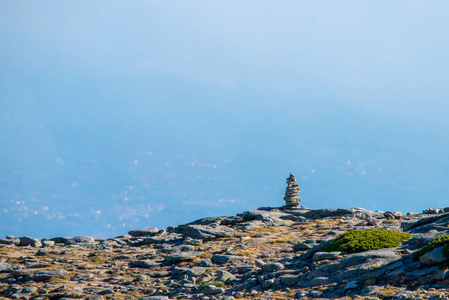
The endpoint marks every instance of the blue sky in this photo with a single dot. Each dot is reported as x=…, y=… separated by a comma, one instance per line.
x=228, y=97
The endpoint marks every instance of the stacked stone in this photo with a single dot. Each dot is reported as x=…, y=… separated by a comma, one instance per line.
x=292, y=192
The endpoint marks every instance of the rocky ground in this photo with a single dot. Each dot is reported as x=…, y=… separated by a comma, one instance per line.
x=268, y=253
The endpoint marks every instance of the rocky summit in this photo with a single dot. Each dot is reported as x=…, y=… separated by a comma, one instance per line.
x=268, y=253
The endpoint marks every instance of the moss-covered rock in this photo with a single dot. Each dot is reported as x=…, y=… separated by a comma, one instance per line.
x=436, y=242
x=433, y=244
x=214, y=283
x=366, y=239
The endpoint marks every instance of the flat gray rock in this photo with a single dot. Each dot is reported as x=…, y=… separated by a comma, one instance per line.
x=241, y=269
x=358, y=264
x=423, y=272
x=271, y=267
x=224, y=276
x=157, y=240
x=180, y=248
x=13, y=241
x=247, y=226
x=319, y=281
x=82, y=276
x=181, y=256
x=388, y=255
x=212, y=289
x=317, y=256
x=145, y=232
x=47, y=243
x=145, y=264
x=289, y=280
x=46, y=275
x=206, y=232
x=22, y=272
x=426, y=224
x=196, y=271
x=58, y=251
x=4, y=267
x=380, y=271
x=339, y=212
x=222, y=259
x=81, y=240
x=327, y=212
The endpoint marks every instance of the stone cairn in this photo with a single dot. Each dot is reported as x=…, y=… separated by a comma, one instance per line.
x=292, y=192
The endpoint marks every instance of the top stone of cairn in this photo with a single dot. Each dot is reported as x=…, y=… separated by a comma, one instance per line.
x=292, y=192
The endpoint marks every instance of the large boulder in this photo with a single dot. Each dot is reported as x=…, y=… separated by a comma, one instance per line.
x=30, y=241
x=61, y=239
x=434, y=257
x=143, y=232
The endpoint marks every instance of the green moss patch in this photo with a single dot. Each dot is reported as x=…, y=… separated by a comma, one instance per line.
x=215, y=283
x=366, y=239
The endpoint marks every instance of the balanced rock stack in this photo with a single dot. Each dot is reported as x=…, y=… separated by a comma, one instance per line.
x=292, y=192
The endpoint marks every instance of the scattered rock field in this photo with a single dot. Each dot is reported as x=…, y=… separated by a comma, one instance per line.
x=268, y=253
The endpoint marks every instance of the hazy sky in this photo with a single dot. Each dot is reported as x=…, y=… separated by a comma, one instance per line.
x=264, y=88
